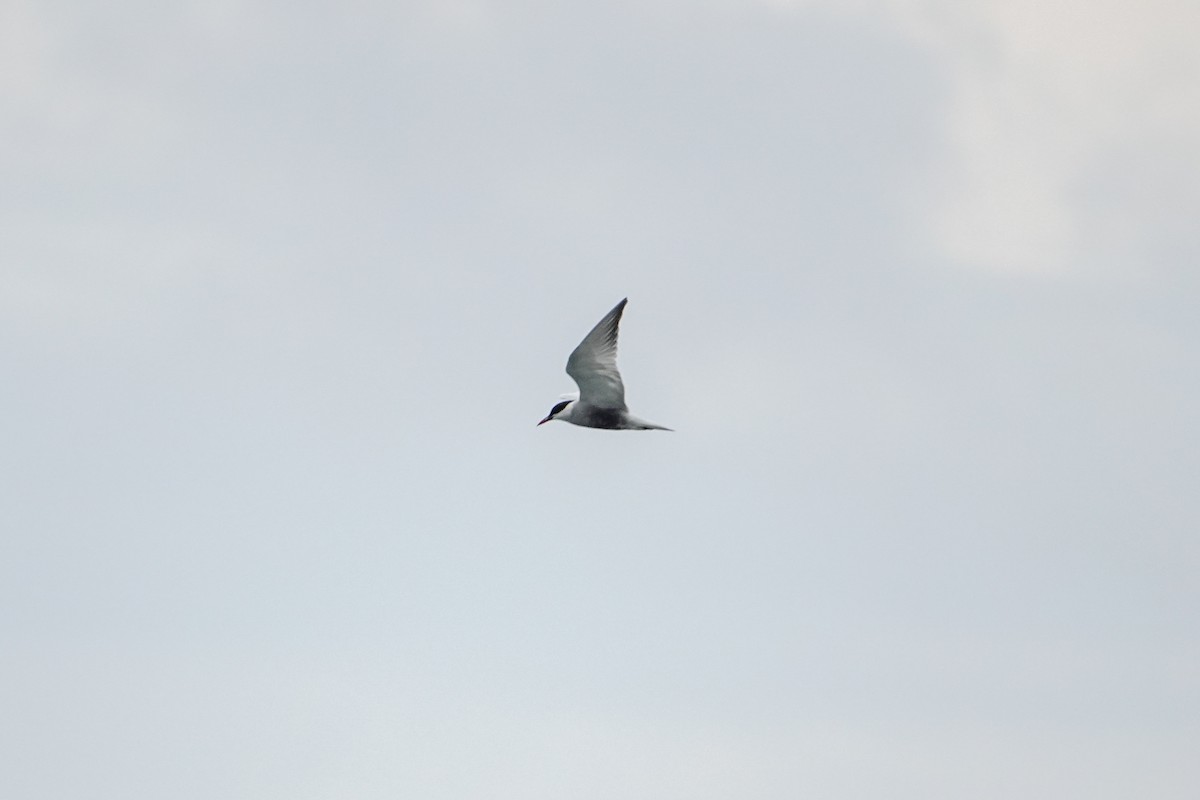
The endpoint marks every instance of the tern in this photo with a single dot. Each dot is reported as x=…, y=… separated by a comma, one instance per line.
x=593, y=366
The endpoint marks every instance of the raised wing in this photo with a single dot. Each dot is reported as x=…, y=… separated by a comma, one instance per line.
x=593, y=364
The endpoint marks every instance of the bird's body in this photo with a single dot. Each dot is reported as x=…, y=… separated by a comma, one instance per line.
x=593, y=366
x=578, y=413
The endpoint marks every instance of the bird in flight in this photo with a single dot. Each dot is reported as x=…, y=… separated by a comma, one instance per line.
x=593, y=366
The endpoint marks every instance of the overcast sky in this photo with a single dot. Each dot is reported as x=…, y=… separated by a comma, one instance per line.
x=284, y=288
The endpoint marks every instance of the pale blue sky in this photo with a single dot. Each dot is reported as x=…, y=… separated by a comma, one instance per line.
x=283, y=291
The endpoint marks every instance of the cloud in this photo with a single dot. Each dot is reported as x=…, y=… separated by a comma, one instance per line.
x=1044, y=98
x=1044, y=102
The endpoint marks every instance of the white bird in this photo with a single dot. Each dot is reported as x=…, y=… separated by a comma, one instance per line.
x=593, y=366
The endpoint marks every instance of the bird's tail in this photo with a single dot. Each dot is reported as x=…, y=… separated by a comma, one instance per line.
x=642, y=425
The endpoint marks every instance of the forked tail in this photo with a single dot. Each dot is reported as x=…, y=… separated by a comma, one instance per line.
x=641, y=425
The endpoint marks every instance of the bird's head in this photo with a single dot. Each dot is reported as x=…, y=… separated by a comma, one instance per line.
x=559, y=411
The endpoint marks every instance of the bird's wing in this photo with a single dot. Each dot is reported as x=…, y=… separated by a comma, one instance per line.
x=593, y=364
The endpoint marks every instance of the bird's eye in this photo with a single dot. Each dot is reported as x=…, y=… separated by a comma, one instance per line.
x=558, y=407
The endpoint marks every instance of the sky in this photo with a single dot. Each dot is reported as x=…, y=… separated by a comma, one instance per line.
x=284, y=289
